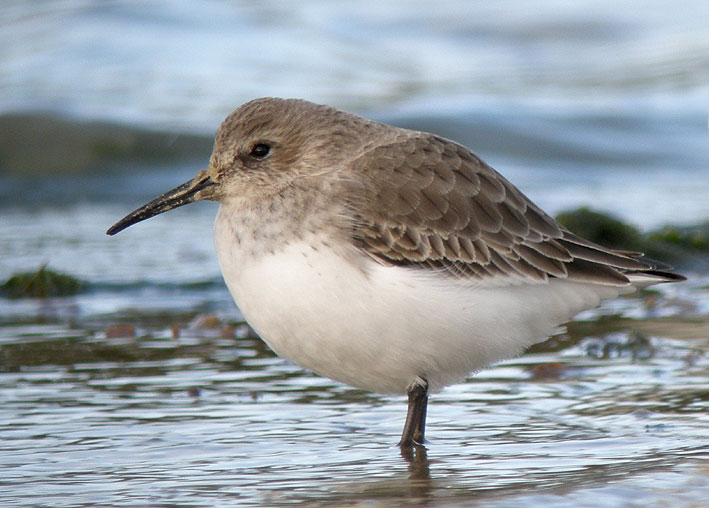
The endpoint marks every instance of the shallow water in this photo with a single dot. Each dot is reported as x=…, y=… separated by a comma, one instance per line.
x=614, y=412
x=117, y=397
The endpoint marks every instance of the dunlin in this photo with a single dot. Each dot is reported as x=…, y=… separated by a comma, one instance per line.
x=392, y=260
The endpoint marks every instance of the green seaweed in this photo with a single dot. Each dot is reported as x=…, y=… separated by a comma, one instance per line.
x=601, y=228
x=43, y=283
x=686, y=238
x=680, y=245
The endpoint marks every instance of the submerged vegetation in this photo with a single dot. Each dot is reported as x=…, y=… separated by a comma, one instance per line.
x=601, y=228
x=678, y=245
x=43, y=283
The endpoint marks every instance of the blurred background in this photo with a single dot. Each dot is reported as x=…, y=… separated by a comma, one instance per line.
x=105, y=104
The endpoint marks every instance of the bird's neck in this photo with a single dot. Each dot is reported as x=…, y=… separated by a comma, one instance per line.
x=268, y=224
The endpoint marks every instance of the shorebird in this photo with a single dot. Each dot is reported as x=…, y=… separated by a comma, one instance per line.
x=392, y=260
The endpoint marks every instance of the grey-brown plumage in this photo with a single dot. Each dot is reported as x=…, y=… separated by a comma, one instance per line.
x=414, y=199
x=429, y=202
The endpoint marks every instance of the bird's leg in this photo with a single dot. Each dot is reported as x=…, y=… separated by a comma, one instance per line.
x=420, y=428
x=415, y=425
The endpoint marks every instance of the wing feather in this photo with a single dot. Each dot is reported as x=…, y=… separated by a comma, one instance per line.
x=427, y=202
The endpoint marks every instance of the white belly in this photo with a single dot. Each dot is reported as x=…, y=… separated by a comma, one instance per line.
x=381, y=327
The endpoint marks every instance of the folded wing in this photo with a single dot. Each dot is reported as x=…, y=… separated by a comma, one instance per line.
x=431, y=203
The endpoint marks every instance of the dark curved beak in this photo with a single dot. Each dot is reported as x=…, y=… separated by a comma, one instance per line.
x=200, y=187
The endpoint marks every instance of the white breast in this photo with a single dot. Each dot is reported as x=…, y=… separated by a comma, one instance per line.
x=379, y=327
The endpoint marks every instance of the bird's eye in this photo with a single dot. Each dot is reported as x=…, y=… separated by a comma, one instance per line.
x=260, y=150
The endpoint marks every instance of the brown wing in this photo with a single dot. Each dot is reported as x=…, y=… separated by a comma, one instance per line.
x=430, y=202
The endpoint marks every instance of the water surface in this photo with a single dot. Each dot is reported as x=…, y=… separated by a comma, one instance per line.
x=607, y=414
